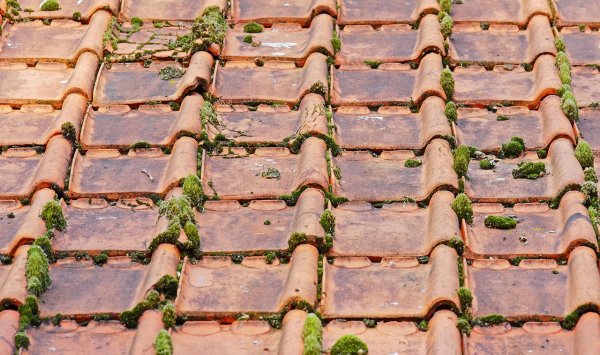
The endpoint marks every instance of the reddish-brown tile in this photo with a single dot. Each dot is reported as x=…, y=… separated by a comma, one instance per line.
x=512, y=84
x=383, y=178
x=536, y=337
x=107, y=173
x=269, y=124
x=62, y=41
x=441, y=337
x=517, y=12
x=481, y=128
x=362, y=43
x=226, y=226
x=170, y=10
x=265, y=174
x=540, y=231
x=355, y=287
x=268, y=12
x=46, y=83
x=81, y=289
x=36, y=124
x=502, y=43
x=575, y=12
x=24, y=170
x=378, y=12
x=119, y=126
x=582, y=47
x=67, y=9
x=544, y=290
x=282, y=41
x=397, y=229
x=588, y=127
x=390, y=84
x=131, y=83
x=240, y=337
x=498, y=185
x=244, y=81
x=584, y=81
x=216, y=287
x=13, y=284
x=96, y=338
x=19, y=223
x=361, y=128
x=9, y=324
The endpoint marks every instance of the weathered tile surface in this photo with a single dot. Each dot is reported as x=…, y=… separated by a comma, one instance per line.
x=588, y=127
x=13, y=284
x=575, y=12
x=68, y=9
x=584, y=81
x=169, y=10
x=517, y=12
x=582, y=47
x=377, y=12
x=268, y=12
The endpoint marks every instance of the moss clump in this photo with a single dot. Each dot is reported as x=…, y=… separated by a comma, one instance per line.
x=542, y=153
x=44, y=243
x=563, y=89
x=462, y=156
x=486, y=164
x=312, y=335
x=500, y=222
x=37, y=271
x=177, y=207
x=21, y=340
x=270, y=257
x=137, y=23
x=208, y=29
x=463, y=207
x=167, y=285
x=513, y=148
x=446, y=6
x=451, y=111
x=488, y=320
x=52, y=214
x=192, y=188
x=458, y=245
x=130, y=318
x=564, y=73
x=562, y=59
x=590, y=174
x=248, y=39
x=570, y=109
x=69, y=132
x=140, y=145
x=319, y=88
x=101, y=258
x=349, y=344
x=328, y=221
x=29, y=313
x=171, y=72
x=50, y=5
x=169, y=317
x=584, y=154
x=297, y=239
x=163, y=344
x=502, y=118
x=529, y=170
x=412, y=163
x=465, y=296
x=447, y=82
x=446, y=24
x=590, y=190
x=336, y=43
x=253, y=27
x=559, y=43
x=337, y=172
x=464, y=326
x=324, y=244
x=76, y=16
x=372, y=63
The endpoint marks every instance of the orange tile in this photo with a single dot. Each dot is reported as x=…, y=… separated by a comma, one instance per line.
x=517, y=12
x=170, y=10
x=13, y=284
x=575, y=12
x=582, y=48
x=216, y=287
x=584, y=81
x=68, y=9
x=379, y=12
x=268, y=12
x=588, y=127
x=9, y=324
x=385, y=178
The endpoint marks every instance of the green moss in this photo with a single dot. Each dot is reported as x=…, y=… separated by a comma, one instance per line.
x=590, y=174
x=542, y=153
x=29, y=313
x=349, y=345
x=500, y=222
x=458, y=244
x=446, y=24
x=248, y=39
x=168, y=315
x=590, y=190
x=297, y=239
x=44, y=243
x=563, y=90
x=463, y=207
x=491, y=319
x=370, y=323
x=529, y=170
x=167, y=285
x=465, y=296
x=451, y=111
x=319, y=88
x=50, y=5
x=312, y=335
x=101, y=258
x=192, y=188
x=324, y=244
x=253, y=27
x=140, y=145
x=270, y=257
x=130, y=317
x=52, y=214
x=564, y=73
x=423, y=325
x=68, y=131
x=372, y=63
x=570, y=109
x=584, y=154
x=21, y=340
x=464, y=326
x=37, y=271
x=447, y=82
x=559, y=43
x=177, y=207
x=337, y=171
x=486, y=164
x=137, y=23
x=76, y=16
x=412, y=163
x=502, y=118
x=208, y=29
x=171, y=72
x=446, y=6
x=336, y=43
x=462, y=156
x=163, y=344
x=513, y=148
x=328, y=221
x=562, y=59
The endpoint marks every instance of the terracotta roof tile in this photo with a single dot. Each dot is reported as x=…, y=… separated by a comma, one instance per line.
x=397, y=229
x=36, y=124
x=362, y=43
x=267, y=173
x=169, y=10
x=361, y=128
x=377, y=12
x=9, y=324
x=216, y=287
x=543, y=337
x=240, y=337
x=24, y=171
x=481, y=128
x=581, y=46
x=546, y=290
x=81, y=289
x=96, y=226
x=28, y=41
x=389, y=84
x=476, y=86
x=502, y=43
x=46, y=83
x=575, y=12
x=26, y=225
x=368, y=178
x=243, y=81
x=269, y=124
x=143, y=171
x=13, y=284
x=498, y=185
x=517, y=12
x=355, y=287
x=584, y=81
x=588, y=127
x=131, y=83
x=119, y=126
x=68, y=9
x=268, y=12
x=98, y=338
x=263, y=225
x=442, y=336
x=546, y=232
x=281, y=41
